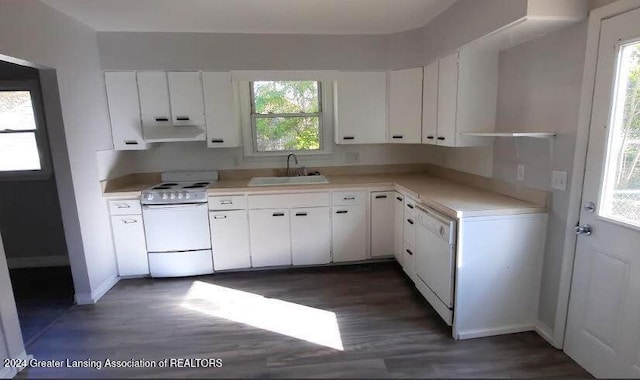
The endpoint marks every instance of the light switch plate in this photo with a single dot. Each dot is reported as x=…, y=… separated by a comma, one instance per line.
x=352, y=157
x=520, y=172
x=559, y=180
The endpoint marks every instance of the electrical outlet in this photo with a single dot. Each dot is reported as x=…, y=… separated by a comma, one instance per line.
x=352, y=157
x=520, y=172
x=559, y=180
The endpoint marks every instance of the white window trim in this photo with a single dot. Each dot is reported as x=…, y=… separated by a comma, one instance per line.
x=326, y=123
x=42, y=140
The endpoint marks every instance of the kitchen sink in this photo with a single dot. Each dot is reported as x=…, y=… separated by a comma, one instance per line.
x=285, y=181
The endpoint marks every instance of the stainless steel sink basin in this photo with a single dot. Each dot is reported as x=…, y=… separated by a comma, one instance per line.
x=286, y=181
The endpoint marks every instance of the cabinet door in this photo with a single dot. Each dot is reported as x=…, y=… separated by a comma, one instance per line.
x=430, y=104
x=382, y=219
x=270, y=237
x=130, y=246
x=187, y=104
x=361, y=108
x=409, y=261
x=311, y=236
x=398, y=226
x=221, y=110
x=124, y=110
x=154, y=99
x=349, y=230
x=405, y=106
x=230, y=239
x=447, y=100
x=409, y=223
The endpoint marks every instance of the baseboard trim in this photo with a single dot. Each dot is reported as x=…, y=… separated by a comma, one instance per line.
x=491, y=332
x=11, y=372
x=95, y=295
x=546, y=333
x=37, y=262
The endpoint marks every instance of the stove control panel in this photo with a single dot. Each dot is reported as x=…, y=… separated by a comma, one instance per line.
x=173, y=197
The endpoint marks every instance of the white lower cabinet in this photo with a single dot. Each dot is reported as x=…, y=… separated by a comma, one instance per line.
x=130, y=245
x=409, y=238
x=382, y=228
x=311, y=236
x=230, y=239
x=409, y=261
x=349, y=231
x=398, y=226
x=270, y=237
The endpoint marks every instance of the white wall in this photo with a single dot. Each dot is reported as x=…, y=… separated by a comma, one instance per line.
x=36, y=33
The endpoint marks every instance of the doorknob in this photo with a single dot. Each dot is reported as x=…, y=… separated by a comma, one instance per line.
x=583, y=230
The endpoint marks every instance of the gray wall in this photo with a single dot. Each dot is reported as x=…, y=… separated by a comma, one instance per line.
x=30, y=218
x=540, y=84
x=31, y=32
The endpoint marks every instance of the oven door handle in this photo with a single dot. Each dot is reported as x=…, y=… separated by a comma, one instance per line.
x=174, y=207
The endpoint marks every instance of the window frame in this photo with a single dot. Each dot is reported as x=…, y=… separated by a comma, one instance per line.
x=248, y=119
x=40, y=133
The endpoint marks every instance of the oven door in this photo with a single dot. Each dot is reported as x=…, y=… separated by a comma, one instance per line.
x=171, y=228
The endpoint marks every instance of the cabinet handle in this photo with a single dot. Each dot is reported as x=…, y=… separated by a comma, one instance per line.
x=217, y=141
x=430, y=137
x=130, y=142
x=123, y=205
x=278, y=214
x=226, y=202
x=220, y=217
x=441, y=138
x=342, y=212
x=182, y=118
x=410, y=221
x=348, y=138
x=397, y=136
x=410, y=205
x=349, y=198
x=398, y=198
x=381, y=197
x=162, y=119
x=409, y=252
x=129, y=221
x=301, y=214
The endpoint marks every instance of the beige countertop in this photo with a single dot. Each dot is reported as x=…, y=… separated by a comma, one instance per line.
x=451, y=198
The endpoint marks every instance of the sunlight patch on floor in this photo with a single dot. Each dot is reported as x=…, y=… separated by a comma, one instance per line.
x=298, y=321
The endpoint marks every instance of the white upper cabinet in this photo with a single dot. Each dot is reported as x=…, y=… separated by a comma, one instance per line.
x=124, y=110
x=187, y=103
x=221, y=109
x=361, y=108
x=467, y=96
x=154, y=99
x=405, y=106
x=430, y=104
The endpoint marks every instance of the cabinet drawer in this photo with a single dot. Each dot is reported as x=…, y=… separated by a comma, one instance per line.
x=348, y=198
x=288, y=200
x=230, y=202
x=409, y=206
x=410, y=229
x=125, y=207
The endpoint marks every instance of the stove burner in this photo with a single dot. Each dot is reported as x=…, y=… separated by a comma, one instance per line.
x=168, y=184
x=201, y=183
x=161, y=187
x=194, y=186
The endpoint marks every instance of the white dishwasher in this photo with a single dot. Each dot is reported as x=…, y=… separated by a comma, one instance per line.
x=435, y=259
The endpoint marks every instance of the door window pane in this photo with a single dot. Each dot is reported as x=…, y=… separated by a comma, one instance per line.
x=19, y=151
x=621, y=195
x=16, y=111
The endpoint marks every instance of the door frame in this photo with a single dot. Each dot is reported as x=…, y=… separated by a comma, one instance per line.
x=579, y=162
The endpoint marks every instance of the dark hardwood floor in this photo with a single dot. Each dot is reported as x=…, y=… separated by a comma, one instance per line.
x=264, y=324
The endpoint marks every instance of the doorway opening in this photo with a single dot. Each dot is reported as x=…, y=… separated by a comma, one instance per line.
x=30, y=212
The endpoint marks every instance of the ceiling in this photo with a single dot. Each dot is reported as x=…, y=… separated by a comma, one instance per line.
x=254, y=16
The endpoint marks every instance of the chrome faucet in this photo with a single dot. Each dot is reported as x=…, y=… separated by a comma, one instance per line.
x=288, y=158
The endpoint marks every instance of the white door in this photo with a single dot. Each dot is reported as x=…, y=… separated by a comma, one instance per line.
x=405, y=106
x=349, y=232
x=270, y=237
x=124, y=110
x=154, y=98
x=131, y=250
x=230, y=239
x=361, y=99
x=603, y=327
x=221, y=109
x=398, y=224
x=430, y=104
x=310, y=236
x=185, y=92
x=382, y=219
